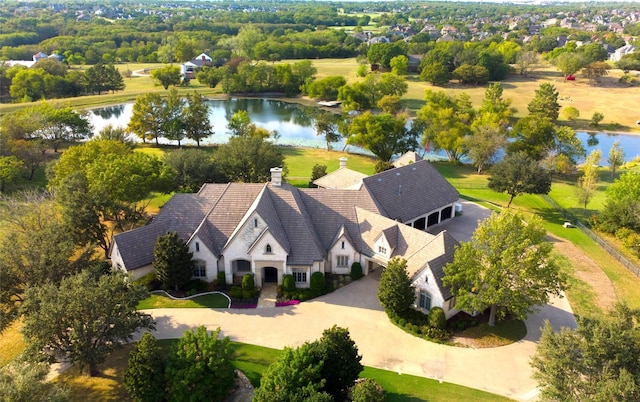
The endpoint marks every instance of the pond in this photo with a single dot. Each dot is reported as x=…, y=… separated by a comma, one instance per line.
x=294, y=124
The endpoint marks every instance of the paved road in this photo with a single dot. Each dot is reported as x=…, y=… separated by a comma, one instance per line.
x=503, y=370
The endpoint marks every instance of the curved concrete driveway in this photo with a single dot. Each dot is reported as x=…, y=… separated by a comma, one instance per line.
x=503, y=370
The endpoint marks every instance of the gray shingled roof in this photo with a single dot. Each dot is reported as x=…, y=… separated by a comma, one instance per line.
x=437, y=264
x=421, y=249
x=330, y=210
x=305, y=244
x=228, y=211
x=182, y=214
x=410, y=191
x=304, y=221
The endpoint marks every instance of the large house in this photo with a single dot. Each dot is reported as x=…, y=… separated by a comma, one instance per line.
x=273, y=229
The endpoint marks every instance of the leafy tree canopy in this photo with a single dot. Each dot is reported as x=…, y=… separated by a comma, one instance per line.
x=518, y=174
x=506, y=264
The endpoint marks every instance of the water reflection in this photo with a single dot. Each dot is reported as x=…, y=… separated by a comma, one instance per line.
x=294, y=124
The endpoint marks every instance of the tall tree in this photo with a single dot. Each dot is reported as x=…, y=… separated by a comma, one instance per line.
x=340, y=361
x=622, y=207
x=201, y=367
x=395, y=291
x=248, y=159
x=518, y=174
x=382, y=134
x=444, y=123
x=85, y=318
x=326, y=125
x=588, y=182
x=36, y=248
x=569, y=63
x=144, y=375
x=108, y=179
x=597, y=361
x=545, y=102
x=195, y=118
x=488, y=136
x=24, y=382
x=506, y=264
x=146, y=119
x=399, y=64
x=10, y=170
x=192, y=168
x=295, y=376
x=172, y=117
x=172, y=261
x=616, y=158
x=166, y=76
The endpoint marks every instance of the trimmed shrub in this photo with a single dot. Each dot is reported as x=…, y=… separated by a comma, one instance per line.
x=150, y=281
x=247, y=294
x=437, y=319
x=222, y=278
x=197, y=286
x=317, y=281
x=288, y=283
x=367, y=390
x=248, y=283
x=356, y=271
x=235, y=292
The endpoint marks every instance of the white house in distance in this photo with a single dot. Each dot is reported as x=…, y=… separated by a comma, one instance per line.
x=273, y=229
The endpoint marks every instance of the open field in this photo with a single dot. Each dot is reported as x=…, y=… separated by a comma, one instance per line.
x=253, y=360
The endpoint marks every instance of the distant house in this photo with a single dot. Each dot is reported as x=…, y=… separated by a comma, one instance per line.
x=406, y=159
x=38, y=56
x=274, y=229
x=414, y=62
x=188, y=69
x=618, y=53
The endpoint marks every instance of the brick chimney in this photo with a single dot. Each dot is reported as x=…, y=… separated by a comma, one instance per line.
x=276, y=176
x=343, y=162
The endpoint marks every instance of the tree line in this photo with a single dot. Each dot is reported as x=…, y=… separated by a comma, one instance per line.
x=49, y=78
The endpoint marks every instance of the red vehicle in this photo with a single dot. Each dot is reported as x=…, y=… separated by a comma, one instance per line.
x=570, y=78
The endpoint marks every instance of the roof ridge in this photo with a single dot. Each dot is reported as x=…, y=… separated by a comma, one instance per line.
x=252, y=208
x=204, y=218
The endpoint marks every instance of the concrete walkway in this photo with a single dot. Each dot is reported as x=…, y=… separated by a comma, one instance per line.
x=268, y=295
x=504, y=370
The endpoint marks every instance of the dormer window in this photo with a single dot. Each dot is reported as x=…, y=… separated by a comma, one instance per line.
x=255, y=222
x=343, y=245
x=267, y=249
x=382, y=250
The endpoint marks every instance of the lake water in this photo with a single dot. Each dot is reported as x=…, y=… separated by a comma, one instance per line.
x=294, y=123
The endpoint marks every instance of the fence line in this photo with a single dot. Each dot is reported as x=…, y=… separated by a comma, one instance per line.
x=602, y=242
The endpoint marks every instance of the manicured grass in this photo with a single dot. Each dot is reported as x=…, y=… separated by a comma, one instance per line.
x=581, y=295
x=215, y=300
x=253, y=361
x=300, y=163
x=503, y=333
x=11, y=343
x=409, y=388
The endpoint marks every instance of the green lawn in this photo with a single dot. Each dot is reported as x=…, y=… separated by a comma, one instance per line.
x=215, y=300
x=253, y=360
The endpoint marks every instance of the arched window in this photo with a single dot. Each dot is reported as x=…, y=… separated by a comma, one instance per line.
x=267, y=249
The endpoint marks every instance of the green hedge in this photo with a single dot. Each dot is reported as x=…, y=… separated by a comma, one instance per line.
x=317, y=281
x=356, y=271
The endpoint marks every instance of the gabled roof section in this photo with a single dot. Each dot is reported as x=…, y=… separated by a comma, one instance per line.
x=343, y=232
x=391, y=234
x=407, y=158
x=182, y=214
x=329, y=211
x=343, y=179
x=305, y=245
x=410, y=191
x=227, y=213
x=447, y=244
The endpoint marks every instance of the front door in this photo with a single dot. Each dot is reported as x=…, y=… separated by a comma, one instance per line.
x=271, y=275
